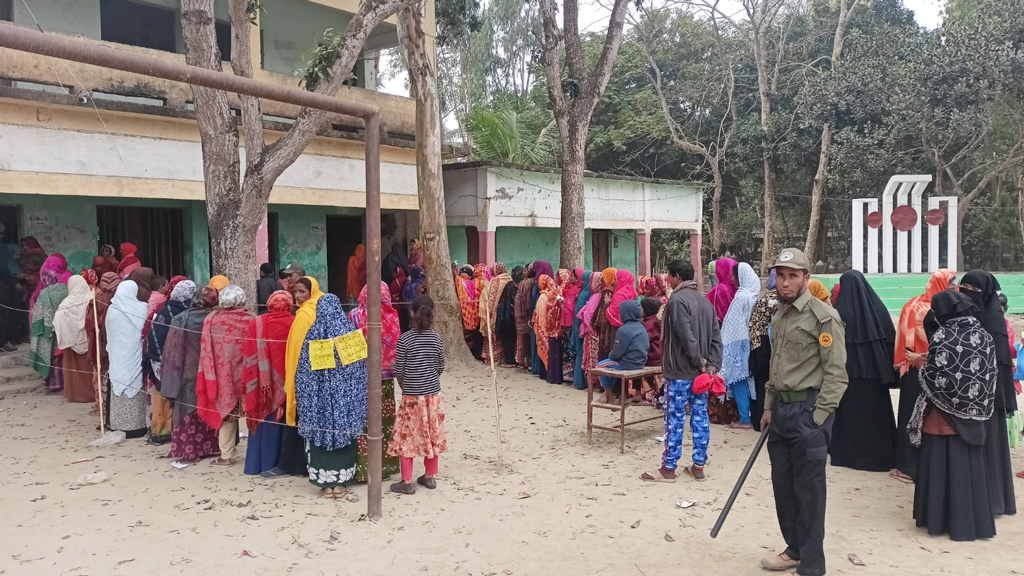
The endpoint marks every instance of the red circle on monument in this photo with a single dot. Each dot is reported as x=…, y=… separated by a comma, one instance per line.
x=875, y=219
x=904, y=218
x=935, y=217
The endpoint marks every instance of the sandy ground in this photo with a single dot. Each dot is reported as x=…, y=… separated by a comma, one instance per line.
x=560, y=507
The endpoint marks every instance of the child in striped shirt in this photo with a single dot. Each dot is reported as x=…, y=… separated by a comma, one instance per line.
x=419, y=430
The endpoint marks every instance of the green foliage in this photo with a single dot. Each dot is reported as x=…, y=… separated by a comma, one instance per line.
x=320, y=60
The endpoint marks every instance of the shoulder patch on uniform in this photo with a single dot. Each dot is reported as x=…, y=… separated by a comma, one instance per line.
x=825, y=340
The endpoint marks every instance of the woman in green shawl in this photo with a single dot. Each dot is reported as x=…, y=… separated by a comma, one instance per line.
x=43, y=354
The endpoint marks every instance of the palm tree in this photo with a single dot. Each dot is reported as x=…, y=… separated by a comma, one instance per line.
x=504, y=134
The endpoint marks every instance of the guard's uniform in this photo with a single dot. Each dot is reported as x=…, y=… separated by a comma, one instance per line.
x=806, y=382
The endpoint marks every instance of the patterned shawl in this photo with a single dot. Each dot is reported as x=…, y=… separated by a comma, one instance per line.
x=180, y=360
x=390, y=328
x=219, y=382
x=541, y=315
x=179, y=301
x=304, y=318
x=960, y=377
x=332, y=401
x=41, y=333
x=265, y=348
x=491, y=296
x=522, y=306
x=624, y=290
x=466, y=290
x=736, y=330
x=96, y=317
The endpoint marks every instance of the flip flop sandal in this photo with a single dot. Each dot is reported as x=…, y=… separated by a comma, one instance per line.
x=1020, y=474
x=689, y=472
x=897, y=475
x=656, y=477
x=220, y=463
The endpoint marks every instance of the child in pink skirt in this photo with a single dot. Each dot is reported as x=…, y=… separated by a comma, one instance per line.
x=419, y=430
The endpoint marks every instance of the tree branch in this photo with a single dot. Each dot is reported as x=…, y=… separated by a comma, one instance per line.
x=252, y=117
x=551, y=60
x=598, y=79
x=289, y=147
x=573, y=46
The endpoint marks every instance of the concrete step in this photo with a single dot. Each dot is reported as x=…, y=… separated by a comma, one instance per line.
x=19, y=374
x=14, y=359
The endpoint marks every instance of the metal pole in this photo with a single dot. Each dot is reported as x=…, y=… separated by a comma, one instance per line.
x=374, y=444
x=28, y=40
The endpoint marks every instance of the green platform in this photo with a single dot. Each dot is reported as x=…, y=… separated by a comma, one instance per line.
x=896, y=289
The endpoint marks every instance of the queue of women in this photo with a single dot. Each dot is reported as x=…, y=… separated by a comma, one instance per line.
x=182, y=364
x=952, y=358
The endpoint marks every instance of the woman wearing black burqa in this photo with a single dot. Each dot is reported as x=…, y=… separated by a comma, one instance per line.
x=864, y=433
x=983, y=289
x=957, y=399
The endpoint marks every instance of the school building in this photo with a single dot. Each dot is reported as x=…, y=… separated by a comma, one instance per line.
x=91, y=156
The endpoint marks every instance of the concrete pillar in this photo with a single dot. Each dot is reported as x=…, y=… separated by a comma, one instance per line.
x=486, y=246
x=698, y=266
x=262, y=243
x=643, y=240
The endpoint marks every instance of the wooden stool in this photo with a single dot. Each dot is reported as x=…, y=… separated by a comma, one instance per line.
x=628, y=377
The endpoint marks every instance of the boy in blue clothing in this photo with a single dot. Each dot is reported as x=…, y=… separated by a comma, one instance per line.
x=629, y=352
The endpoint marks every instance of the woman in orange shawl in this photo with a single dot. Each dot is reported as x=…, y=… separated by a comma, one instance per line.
x=263, y=376
x=469, y=304
x=818, y=290
x=547, y=324
x=910, y=335
x=356, y=273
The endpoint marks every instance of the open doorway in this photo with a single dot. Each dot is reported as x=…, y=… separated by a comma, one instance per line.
x=158, y=233
x=602, y=249
x=344, y=233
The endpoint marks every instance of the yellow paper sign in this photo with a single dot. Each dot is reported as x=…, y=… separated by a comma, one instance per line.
x=321, y=355
x=351, y=347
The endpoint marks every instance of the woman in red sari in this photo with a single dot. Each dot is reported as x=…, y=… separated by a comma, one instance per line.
x=221, y=360
x=96, y=329
x=129, y=261
x=264, y=376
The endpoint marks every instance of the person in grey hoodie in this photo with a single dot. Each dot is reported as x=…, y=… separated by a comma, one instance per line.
x=630, y=350
x=691, y=346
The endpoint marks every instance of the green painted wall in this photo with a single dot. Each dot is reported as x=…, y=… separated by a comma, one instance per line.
x=302, y=237
x=520, y=246
x=67, y=224
x=896, y=289
x=458, y=246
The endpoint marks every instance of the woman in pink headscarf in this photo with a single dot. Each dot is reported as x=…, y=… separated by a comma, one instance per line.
x=625, y=289
x=57, y=265
x=570, y=290
x=721, y=294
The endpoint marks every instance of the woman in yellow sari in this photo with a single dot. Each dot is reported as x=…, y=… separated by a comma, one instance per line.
x=292, y=459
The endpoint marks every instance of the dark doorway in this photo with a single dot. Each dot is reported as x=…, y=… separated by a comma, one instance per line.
x=600, y=245
x=344, y=233
x=159, y=233
x=273, y=240
x=12, y=232
x=472, y=246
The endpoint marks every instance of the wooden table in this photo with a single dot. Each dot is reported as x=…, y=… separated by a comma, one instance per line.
x=627, y=376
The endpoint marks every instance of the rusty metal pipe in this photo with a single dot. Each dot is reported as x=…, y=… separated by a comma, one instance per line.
x=26, y=40
x=374, y=440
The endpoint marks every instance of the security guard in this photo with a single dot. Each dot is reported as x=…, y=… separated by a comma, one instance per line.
x=807, y=380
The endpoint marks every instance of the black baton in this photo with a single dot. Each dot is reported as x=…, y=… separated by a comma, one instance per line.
x=739, y=483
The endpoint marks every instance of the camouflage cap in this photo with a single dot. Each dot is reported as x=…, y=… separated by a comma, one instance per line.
x=793, y=258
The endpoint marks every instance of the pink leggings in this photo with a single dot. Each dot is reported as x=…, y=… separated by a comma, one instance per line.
x=429, y=463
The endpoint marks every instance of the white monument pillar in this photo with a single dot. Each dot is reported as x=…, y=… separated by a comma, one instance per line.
x=860, y=205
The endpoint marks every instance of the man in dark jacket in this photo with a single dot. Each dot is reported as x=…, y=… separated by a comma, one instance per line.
x=630, y=350
x=691, y=346
x=265, y=286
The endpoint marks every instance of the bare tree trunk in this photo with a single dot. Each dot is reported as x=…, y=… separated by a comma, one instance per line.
x=573, y=237
x=1020, y=204
x=433, y=226
x=717, y=236
x=232, y=224
x=818, y=191
x=768, y=243
x=817, y=194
